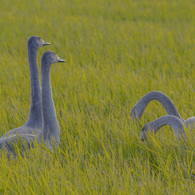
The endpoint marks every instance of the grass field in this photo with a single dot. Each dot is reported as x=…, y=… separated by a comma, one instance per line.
x=115, y=52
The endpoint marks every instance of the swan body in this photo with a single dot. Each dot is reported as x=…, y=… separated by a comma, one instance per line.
x=154, y=126
x=167, y=103
x=50, y=130
x=34, y=122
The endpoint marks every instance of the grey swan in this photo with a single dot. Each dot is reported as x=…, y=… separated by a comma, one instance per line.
x=154, y=126
x=34, y=122
x=50, y=133
x=169, y=106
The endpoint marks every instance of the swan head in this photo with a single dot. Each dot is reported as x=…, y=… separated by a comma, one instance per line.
x=50, y=57
x=37, y=42
x=143, y=135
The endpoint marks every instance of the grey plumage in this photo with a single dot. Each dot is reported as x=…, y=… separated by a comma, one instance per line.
x=166, y=102
x=169, y=106
x=34, y=122
x=50, y=131
x=154, y=126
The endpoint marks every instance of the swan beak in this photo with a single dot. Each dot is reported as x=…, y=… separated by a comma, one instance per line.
x=61, y=60
x=46, y=43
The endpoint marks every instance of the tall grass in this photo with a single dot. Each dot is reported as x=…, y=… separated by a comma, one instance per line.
x=115, y=51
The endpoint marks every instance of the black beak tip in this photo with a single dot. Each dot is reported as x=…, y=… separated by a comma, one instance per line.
x=46, y=43
x=61, y=60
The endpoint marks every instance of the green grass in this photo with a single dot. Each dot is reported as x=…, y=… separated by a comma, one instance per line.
x=115, y=52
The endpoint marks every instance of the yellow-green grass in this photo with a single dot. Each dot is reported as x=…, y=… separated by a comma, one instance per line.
x=115, y=52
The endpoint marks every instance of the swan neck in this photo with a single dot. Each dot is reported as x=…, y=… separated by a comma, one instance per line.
x=50, y=123
x=163, y=99
x=173, y=121
x=35, y=117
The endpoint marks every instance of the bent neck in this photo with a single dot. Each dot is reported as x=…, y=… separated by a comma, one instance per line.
x=163, y=99
x=173, y=121
x=35, y=117
x=50, y=123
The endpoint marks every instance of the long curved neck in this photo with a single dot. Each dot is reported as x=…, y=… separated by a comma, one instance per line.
x=159, y=96
x=50, y=123
x=173, y=121
x=35, y=117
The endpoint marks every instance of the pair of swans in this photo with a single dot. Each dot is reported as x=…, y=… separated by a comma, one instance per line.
x=173, y=118
x=42, y=124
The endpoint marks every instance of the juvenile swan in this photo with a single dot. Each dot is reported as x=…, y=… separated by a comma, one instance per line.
x=169, y=106
x=34, y=122
x=154, y=126
x=50, y=131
